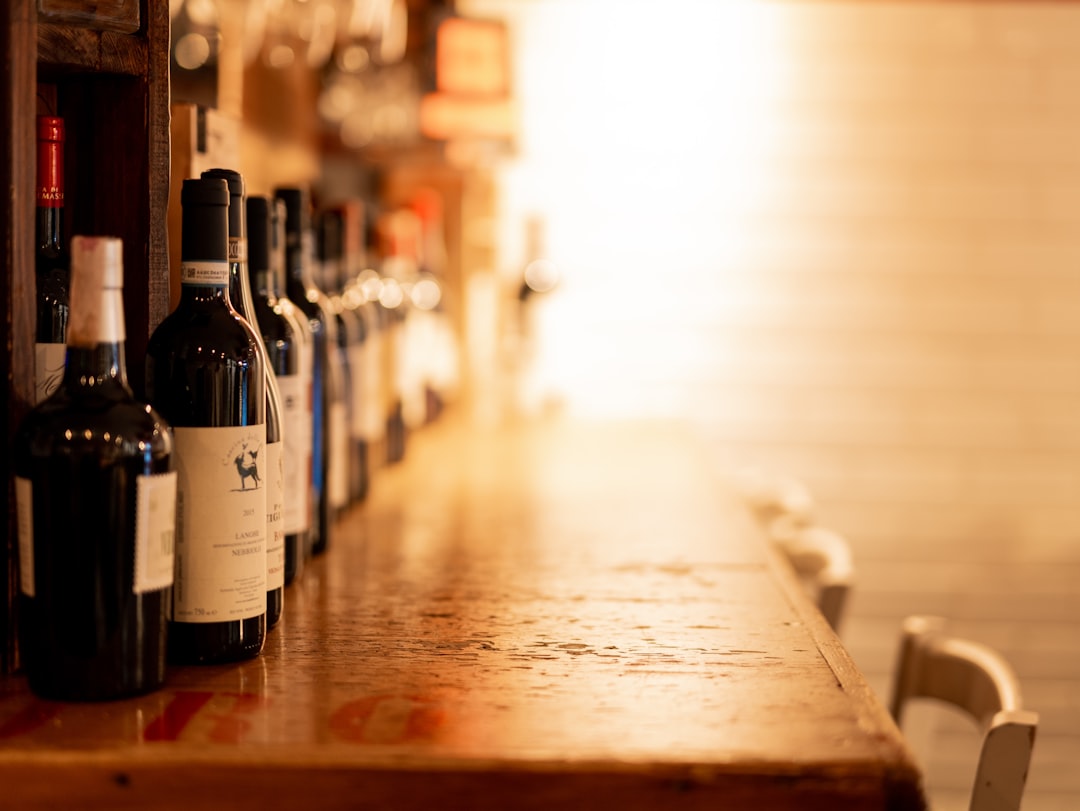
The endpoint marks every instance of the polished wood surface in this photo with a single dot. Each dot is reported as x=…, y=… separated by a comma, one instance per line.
x=561, y=615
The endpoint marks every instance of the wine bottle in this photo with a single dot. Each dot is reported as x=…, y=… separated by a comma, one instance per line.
x=373, y=396
x=302, y=290
x=344, y=460
x=96, y=508
x=397, y=267
x=283, y=337
x=52, y=260
x=347, y=292
x=205, y=375
x=273, y=469
x=278, y=263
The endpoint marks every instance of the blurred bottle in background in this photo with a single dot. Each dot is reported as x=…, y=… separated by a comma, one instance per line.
x=301, y=505
x=345, y=471
x=51, y=259
x=356, y=315
x=439, y=359
x=303, y=291
x=283, y=338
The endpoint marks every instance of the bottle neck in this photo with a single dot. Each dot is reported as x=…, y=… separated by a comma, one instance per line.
x=239, y=284
x=275, y=280
x=97, y=366
x=96, y=339
x=262, y=285
x=299, y=258
x=48, y=229
x=50, y=197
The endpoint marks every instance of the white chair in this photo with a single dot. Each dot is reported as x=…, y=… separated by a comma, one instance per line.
x=770, y=496
x=822, y=560
x=978, y=680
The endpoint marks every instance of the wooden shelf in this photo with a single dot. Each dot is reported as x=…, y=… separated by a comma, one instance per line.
x=552, y=615
x=67, y=48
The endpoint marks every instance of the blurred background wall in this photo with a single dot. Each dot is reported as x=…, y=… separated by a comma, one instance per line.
x=844, y=237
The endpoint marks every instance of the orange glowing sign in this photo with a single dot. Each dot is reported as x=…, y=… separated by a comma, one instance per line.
x=472, y=98
x=471, y=57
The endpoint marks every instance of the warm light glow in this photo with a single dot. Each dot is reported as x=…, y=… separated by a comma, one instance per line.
x=425, y=294
x=471, y=57
x=541, y=275
x=280, y=56
x=202, y=12
x=353, y=58
x=646, y=145
x=192, y=51
x=370, y=284
x=336, y=101
x=357, y=130
x=390, y=294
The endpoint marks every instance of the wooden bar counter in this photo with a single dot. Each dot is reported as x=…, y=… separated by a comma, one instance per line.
x=546, y=616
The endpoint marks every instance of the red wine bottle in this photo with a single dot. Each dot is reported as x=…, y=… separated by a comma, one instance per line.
x=283, y=337
x=344, y=473
x=302, y=290
x=205, y=375
x=305, y=385
x=273, y=470
x=96, y=508
x=52, y=260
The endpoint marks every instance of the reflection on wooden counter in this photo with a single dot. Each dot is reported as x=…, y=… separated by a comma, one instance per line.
x=563, y=615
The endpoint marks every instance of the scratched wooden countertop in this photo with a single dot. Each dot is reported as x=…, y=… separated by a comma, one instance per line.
x=541, y=615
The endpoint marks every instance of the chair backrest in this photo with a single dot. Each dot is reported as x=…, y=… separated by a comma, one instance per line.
x=822, y=559
x=978, y=680
x=770, y=496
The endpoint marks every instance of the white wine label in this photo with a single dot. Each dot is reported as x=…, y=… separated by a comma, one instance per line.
x=297, y=428
x=221, y=524
x=337, y=446
x=238, y=249
x=275, y=516
x=155, y=531
x=24, y=517
x=215, y=274
x=48, y=369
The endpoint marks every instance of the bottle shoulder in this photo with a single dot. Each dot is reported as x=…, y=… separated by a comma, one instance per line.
x=105, y=422
x=272, y=321
x=209, y=331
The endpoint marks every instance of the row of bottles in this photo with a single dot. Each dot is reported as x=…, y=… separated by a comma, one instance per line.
x=167, y=524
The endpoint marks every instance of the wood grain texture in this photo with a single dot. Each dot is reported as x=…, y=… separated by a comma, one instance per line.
x=71, y=48
x=156, y=17
x=112, y=15
x=17, y=166
x=560, y=616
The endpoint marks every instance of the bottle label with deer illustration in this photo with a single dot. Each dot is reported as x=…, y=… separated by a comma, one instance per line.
x=221, y=523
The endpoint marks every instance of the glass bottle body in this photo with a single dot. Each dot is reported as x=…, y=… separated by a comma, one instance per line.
x=272, y=470
x=202, y=371
x=95, y=508
x=313, y=304
x=206, y=377
x=285, y=342
x=85, y=633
